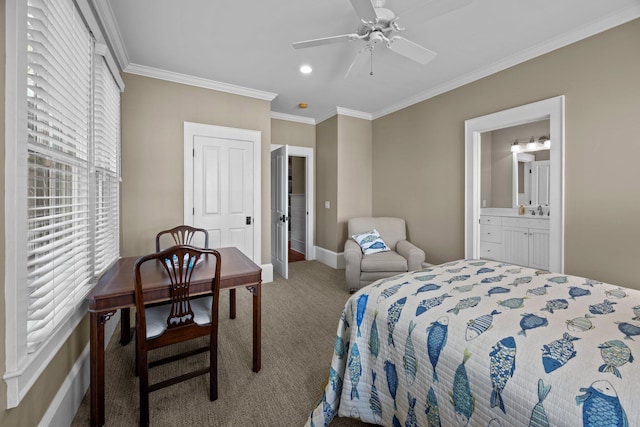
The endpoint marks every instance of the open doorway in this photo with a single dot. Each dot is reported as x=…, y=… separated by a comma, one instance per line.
x=292, y=206
x=297, y=208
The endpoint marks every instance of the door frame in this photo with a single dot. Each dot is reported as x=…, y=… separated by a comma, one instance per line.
x=255, y=138
x=307, y=153
x=551, y=109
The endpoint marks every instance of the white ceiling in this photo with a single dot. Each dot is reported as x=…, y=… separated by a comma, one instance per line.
x=246, y=46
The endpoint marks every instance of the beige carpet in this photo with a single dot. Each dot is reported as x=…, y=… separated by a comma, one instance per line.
x=299, y=321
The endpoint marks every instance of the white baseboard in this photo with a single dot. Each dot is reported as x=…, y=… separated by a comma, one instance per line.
x=330, y=258
x=267, y=273
x=67, y=400
x=298, y=245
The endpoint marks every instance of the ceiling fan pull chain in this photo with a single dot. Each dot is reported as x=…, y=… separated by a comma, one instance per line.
x=371, y=71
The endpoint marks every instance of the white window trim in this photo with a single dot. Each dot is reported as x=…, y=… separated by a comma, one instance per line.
x=23, y=369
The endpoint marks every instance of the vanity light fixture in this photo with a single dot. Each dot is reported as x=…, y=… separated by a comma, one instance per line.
x=541, y=143
x=545, y=141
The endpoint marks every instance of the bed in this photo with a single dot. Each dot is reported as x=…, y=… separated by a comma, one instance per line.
x=482, y=343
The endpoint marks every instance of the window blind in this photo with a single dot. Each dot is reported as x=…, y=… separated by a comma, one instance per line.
x=59, y=93
x=107, y=173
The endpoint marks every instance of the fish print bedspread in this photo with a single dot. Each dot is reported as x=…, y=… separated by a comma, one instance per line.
x=482, y=343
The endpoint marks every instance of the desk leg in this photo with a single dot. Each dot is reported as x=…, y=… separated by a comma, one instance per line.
x=96, y=347
x=232, y=303
x=125, y=326
x=257, y=325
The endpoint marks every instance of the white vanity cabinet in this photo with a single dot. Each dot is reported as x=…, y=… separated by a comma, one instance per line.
x=525, y=241
x=491, y=237
x=518, y=240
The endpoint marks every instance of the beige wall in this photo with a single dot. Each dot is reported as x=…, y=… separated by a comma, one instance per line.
x=418, y=153
x=153, y=113
x=354, y=172
x=285, y=132
x=343, y=177
x=327, y=184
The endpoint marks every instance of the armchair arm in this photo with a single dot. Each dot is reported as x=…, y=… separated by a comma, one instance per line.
x=352, y=259
x=414, y=255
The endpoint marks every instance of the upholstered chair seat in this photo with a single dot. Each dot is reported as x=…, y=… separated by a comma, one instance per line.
x=157, y=315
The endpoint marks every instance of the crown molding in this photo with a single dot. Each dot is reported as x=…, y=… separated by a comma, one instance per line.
x=114, y=37
x=293, y=118
x=604, y=24
x=344, y=112
x=325, y=116
x=186, y=79
x=354, y=113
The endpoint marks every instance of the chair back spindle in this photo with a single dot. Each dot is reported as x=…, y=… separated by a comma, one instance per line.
x=180, y=271
x=182, y=235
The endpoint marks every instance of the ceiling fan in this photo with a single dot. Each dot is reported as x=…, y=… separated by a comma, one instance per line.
x=378, y=25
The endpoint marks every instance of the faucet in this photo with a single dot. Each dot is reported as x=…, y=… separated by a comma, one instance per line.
x=540, y=210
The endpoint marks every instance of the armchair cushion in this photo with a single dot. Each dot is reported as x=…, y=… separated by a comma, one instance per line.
x=384, y=261
x=370, y=242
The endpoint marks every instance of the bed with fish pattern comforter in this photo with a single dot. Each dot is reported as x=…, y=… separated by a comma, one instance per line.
x=482, y=343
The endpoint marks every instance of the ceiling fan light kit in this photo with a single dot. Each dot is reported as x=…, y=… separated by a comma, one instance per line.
x=377, y=25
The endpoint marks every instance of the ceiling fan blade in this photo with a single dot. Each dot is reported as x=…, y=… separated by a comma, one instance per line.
x=410, y=49
x=359, y=61
x=326, y=40
x=365, y=10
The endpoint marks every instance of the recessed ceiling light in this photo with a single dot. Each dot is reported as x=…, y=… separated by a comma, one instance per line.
x=305, y=69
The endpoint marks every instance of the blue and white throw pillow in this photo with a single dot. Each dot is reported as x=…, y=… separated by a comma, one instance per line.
x=371, y=242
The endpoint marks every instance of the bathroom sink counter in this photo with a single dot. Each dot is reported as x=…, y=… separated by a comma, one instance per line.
x=513, y=212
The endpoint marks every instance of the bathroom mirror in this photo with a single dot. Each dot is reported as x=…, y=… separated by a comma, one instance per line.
x=503, y=182
x=531, y=178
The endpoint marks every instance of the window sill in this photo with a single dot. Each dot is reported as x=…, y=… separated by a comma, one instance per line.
x=20, y=381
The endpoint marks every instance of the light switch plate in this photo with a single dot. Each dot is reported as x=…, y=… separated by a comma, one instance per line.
x=327, y=204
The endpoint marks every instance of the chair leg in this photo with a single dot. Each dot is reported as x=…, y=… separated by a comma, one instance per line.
x=136, y=356
x=143, y=369
x=213, y=367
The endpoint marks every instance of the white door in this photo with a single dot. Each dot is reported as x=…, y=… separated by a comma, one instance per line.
x=540, y=174
x=222, y=185
x=279, y=211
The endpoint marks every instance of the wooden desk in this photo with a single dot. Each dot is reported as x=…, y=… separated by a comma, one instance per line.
x=115, y=290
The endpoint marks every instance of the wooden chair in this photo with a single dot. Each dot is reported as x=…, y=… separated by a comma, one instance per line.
x=182, y=235
x=179, y=319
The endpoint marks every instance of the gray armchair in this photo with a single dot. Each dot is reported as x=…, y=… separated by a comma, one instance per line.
x=361, y=269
